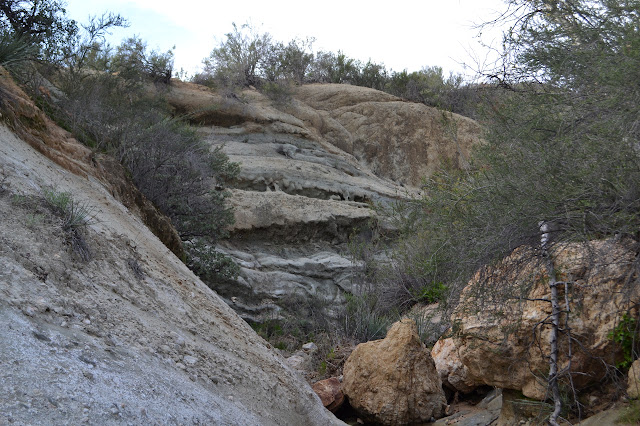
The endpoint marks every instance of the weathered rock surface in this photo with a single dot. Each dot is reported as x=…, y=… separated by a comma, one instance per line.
x=453, y=373
x=495, y=339
x=130, y=336
x=633, y=383
x=393, y=381
x=402, y=141
x=485, y=413
x=310, y=169
x=330, y=393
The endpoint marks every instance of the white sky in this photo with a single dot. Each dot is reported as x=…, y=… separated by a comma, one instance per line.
x=402, y=34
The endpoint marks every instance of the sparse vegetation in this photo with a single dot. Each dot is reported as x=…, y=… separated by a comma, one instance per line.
x=75, y=217
x=250, y=58
x=561, y=150
x=631, y=414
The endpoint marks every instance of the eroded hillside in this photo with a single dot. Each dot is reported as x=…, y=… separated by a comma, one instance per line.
x=128, y=335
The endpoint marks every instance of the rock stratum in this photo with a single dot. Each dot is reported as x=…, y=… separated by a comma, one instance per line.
x=311, y=170
x=130, y=336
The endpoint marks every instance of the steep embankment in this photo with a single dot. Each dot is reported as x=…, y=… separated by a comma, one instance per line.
x=311, y=168
x=129, y=336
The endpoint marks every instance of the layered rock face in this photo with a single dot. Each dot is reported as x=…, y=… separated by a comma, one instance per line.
x=130, y=336
x=310, y=169
x=504, y=343
x=394, y=381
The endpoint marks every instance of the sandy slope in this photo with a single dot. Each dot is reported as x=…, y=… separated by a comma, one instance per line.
x=131, y=336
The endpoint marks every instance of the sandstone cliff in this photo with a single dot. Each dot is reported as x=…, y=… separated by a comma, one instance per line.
x=311, y=170
x=128, y=336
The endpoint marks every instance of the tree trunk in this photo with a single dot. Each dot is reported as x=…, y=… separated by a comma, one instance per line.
x=555, y=326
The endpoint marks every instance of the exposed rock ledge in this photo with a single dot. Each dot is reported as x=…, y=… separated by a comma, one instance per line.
x=311, y=169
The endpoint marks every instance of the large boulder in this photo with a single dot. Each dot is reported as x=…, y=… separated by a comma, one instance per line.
x=500, y=331
x=393, y=381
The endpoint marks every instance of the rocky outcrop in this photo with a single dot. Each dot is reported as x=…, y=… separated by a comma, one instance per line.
x=330, y=393
x=393, y=381
x=311, y=168
x=399, y=140
x=130, y=336
x=502, y=312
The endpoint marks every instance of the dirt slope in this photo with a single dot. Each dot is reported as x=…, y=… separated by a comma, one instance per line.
x=130, y=336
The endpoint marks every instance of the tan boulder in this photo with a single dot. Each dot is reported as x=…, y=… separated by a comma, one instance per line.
x=633, y=388
x=330, y=393
x=393, y=381
x=496, y=339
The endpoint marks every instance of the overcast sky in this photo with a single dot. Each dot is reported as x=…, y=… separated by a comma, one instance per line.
x=401, y=34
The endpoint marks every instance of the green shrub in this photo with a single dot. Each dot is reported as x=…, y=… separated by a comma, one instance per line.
x=133, y=62
x=363, y=319
x=631, y=414
x=625, y=334
x=74, y=214
x=209, y=264
x=15, y=50
x=278, y=91
x=239, y=60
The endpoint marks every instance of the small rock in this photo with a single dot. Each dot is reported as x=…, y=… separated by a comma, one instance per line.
x=190, y=360
x=87, y=321
x=310, y=347
x=41, y=305
x=296, y=361
x=41, y=336
x=29, y=311
x=330, y=393
x=181, y=366
x=177, y=339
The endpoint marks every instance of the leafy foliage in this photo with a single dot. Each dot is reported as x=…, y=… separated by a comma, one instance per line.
x=626, y=335
x=40, y=23
x=133, y=62
x=240, y=60
x=15, y=50
x=210, y=265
